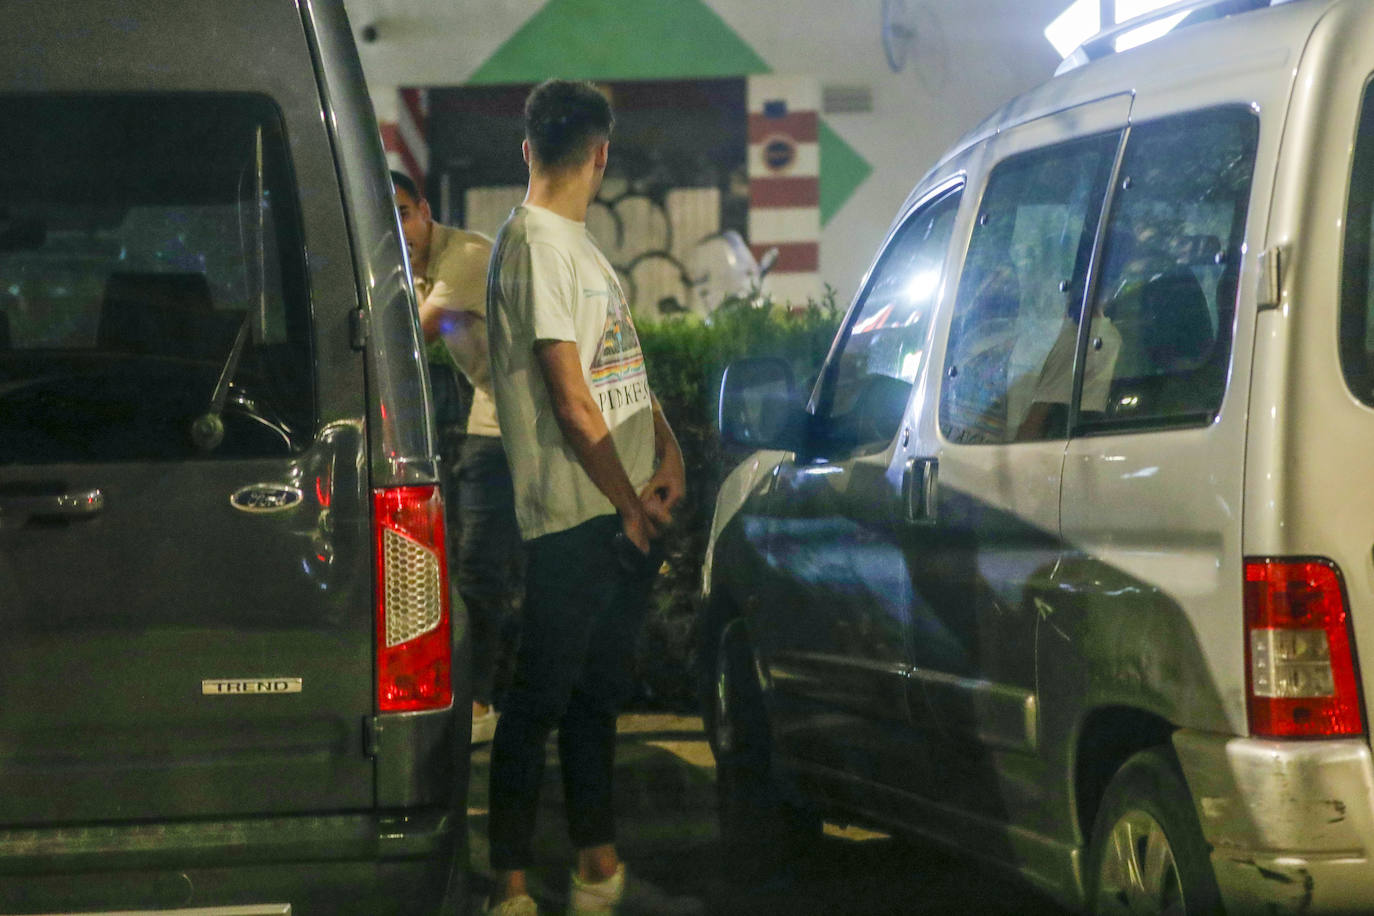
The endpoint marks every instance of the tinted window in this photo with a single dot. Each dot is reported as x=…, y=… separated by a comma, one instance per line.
x=1357, y=281
x=1010, y=357
x=1166, y=298
x=146, y=244
x=869, y=379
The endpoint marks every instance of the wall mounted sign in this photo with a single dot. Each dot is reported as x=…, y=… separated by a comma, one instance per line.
x=779, y=153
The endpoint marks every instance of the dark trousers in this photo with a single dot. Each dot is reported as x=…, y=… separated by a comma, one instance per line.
x=583, y=609
x=488, y=543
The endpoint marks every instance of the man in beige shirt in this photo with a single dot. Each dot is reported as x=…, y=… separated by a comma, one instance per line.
x=449, y=267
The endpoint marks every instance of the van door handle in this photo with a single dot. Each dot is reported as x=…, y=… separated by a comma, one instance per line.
x=919, y=482
x=81, y=504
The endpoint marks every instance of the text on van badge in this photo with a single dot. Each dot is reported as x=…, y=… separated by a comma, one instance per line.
x=239, y=686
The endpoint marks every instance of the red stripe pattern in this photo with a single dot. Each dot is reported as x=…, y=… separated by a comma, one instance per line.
x=785, y=192
x=392, y=143
x=414, y=104
x=801, y=126
x=784, y=182
x=793, y=257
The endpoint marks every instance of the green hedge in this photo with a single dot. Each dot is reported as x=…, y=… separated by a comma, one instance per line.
x=686, y=358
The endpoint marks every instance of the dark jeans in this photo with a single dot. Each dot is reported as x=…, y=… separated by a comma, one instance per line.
x=583, y=609
x=488, y=544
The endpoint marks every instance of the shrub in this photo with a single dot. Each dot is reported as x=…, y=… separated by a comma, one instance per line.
x=686, y=358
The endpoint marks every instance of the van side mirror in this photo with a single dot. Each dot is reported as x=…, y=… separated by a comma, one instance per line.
x=759, y=405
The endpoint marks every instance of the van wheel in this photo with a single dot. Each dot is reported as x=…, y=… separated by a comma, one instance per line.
x=1148, y=854
x=760, y=829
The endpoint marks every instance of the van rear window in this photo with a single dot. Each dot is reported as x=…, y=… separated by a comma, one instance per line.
x=1357, y=279
x=1167, y=276
x=151, y=274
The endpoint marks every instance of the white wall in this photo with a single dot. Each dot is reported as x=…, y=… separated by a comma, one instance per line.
x=969, y=57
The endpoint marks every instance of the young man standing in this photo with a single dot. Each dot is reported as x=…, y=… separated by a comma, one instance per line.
x=450, y=270
x=597, y=475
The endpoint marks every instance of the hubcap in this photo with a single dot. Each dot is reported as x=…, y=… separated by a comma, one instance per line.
x=1138, y=873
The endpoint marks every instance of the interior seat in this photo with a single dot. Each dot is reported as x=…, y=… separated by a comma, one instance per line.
x=164, y=314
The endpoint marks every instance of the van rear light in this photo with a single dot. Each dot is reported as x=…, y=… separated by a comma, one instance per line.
x=1300, y=661
x=414, y=645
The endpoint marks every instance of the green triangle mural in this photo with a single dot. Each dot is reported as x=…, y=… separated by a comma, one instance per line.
x=606, y=40
x=842, y=171
x=621, y=40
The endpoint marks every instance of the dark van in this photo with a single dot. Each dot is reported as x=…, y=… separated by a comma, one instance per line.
x=227, y=673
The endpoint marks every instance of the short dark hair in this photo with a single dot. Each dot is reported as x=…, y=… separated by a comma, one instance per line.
x=563, y=118
x=402, y=182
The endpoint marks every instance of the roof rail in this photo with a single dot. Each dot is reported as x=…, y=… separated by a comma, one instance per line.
x=1104, y=42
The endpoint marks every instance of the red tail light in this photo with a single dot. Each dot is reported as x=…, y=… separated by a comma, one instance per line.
x=414, y=645
x=1300, y=663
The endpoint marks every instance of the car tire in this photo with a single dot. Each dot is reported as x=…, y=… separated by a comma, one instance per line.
x=1148, y=853
x=761, y=829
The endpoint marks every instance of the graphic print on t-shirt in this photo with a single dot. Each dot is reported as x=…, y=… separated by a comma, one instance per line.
x=617, y=370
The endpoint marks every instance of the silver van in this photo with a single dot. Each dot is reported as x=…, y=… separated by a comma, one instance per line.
x=1068, y=558
x=227, y=670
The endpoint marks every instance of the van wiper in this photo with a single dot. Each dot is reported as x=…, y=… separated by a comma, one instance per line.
x=207, y=430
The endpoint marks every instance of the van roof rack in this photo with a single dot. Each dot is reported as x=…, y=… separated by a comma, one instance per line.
x=1104, y=42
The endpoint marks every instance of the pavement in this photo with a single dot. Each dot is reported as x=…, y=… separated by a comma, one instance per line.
x=665, y=806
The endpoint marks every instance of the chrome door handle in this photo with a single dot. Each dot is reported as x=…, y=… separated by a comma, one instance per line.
x=80, y=504
x=919, y=487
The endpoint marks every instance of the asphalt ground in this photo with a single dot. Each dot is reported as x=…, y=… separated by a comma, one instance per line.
x=665, y=807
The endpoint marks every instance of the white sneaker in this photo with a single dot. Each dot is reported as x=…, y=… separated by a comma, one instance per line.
x=484, y=726
x=627, y=895
x=523, y=905
x=595, y=898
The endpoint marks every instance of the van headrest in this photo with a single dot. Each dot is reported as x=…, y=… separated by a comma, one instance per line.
x=163, y=314
x=1177, y=333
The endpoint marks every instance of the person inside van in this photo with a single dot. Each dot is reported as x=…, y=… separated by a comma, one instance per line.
x=450, y=270
x=1047, y=415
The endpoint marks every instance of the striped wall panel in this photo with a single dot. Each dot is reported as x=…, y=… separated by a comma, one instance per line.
x=784, y=182
x=406, y=139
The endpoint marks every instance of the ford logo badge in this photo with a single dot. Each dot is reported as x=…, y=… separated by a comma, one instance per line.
x=265, y=497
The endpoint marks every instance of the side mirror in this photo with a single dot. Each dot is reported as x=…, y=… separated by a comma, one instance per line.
x=759, y=405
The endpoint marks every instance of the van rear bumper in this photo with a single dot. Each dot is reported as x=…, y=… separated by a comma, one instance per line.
x=325, y=864
x=1290, y=822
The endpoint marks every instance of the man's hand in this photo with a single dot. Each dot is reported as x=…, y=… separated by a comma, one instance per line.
x=668, y=486
x=664, y=491
x=640, y=528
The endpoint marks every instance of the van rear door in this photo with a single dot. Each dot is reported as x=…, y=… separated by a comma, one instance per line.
x=185, y=557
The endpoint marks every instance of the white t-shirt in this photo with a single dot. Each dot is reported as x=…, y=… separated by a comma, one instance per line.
x=549, y=281
x=456, y=280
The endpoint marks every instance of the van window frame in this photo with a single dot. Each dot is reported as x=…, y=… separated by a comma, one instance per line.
x=818, y=447
x=1094, y=214
x=294, y=428
x=1357, y=260
x=1234, y=246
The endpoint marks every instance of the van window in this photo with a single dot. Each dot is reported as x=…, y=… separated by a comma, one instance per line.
x=1166, y=295
x=882, y=350
x=1357, y=278
x=149, y=247
x=1009, y=361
